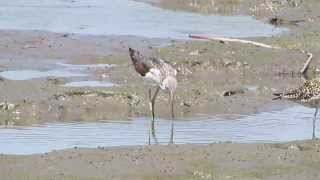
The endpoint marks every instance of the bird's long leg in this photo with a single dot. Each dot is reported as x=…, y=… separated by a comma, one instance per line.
x=153, y=103
x=314, y=124
x=153, y=114
x=151, y=106
x=172, y=116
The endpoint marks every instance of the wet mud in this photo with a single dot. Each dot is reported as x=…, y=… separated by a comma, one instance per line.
x=295, y=160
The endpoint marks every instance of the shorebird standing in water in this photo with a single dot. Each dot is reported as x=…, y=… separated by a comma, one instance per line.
x=162, y=74
x=308, y=95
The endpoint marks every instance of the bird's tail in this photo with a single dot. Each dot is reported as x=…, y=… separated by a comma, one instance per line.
x=289, y=94
x=277, y=96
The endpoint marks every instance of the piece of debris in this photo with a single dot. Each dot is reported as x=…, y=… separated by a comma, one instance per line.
x=276, y=21
x=258, y=44
x=234, y=91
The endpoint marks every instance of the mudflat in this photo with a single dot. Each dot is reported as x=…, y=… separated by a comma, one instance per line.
x=208, y=73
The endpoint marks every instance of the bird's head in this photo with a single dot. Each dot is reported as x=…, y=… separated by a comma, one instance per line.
x=134, y=54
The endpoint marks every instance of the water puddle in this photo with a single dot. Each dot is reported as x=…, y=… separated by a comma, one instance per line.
x=123, y=17
x=278, y=126
x=34, y=74
x=89, y=84
x=63, y=70
x=84, y=66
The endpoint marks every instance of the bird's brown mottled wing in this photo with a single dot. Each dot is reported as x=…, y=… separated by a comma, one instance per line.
x=310, y=90
x=165, y=68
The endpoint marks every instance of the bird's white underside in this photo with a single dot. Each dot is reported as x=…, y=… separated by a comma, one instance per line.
x=154, y=76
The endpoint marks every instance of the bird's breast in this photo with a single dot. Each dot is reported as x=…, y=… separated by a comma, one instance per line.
x=154, y=75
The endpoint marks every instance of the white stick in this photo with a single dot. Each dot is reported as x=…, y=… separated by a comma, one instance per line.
x=307, y=63
x=234, y=40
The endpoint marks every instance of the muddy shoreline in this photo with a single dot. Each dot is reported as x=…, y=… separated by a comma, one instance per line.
x=207, y=72
x=294, y=160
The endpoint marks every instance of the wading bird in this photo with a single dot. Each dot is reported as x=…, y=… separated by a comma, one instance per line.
x=162, y=74
x=308, y=95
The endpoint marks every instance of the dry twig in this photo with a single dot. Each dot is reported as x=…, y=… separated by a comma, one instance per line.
x=234, y=40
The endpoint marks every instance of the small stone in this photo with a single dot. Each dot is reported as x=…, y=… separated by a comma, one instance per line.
x=194, y=53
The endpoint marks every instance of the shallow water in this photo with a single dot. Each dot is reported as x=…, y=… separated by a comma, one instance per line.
x=89, y=84
x=84, y=66
x=123, y=17
x=34, y=74
x=294, y=123
x=63, y=70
